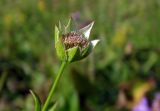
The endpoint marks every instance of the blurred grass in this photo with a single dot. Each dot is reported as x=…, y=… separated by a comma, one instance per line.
x=128, y=52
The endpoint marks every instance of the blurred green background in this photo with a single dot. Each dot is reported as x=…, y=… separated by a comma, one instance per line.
x=123, y=69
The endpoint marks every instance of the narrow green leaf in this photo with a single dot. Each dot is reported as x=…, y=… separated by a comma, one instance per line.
x=68, y=24
x=56, y=34
x=73, y=25
x=60, y=49
x=37, y=101
x=67, y=27
x=59, y=45
x=62, y=28
x=60, y=25
x=74, y=102
x=53, y=108
x=153, y=58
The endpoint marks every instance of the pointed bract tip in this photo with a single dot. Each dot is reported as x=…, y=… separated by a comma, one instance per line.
x=86, y=30
x=94, y=42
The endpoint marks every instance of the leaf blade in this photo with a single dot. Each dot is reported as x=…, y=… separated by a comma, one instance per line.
x=53, y=108
x=36, y=100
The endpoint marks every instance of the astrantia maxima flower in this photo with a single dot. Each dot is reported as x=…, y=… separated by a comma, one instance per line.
x=73, y=45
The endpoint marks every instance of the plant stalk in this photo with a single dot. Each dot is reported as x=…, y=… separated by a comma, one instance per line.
x=53, y=87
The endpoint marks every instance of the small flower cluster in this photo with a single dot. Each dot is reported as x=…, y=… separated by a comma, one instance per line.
x=73, y=45
x=74, y=39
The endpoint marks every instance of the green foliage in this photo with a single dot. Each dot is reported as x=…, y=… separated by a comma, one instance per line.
x=37, y=101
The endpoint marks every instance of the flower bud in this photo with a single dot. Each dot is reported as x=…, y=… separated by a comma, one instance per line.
x=73, y=45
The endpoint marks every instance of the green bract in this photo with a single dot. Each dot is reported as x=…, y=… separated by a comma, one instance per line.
x=71, y=44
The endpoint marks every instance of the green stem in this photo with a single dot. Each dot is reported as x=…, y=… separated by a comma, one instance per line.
x=50, y=95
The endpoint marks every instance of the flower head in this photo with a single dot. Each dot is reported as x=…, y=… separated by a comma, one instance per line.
x=72, y=44
x=73, y=39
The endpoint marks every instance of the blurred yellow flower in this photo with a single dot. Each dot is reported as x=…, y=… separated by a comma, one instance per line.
x=41, y=5
x=120, y=36
x=15, y=17
x=141, y=89
x=7, y=20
